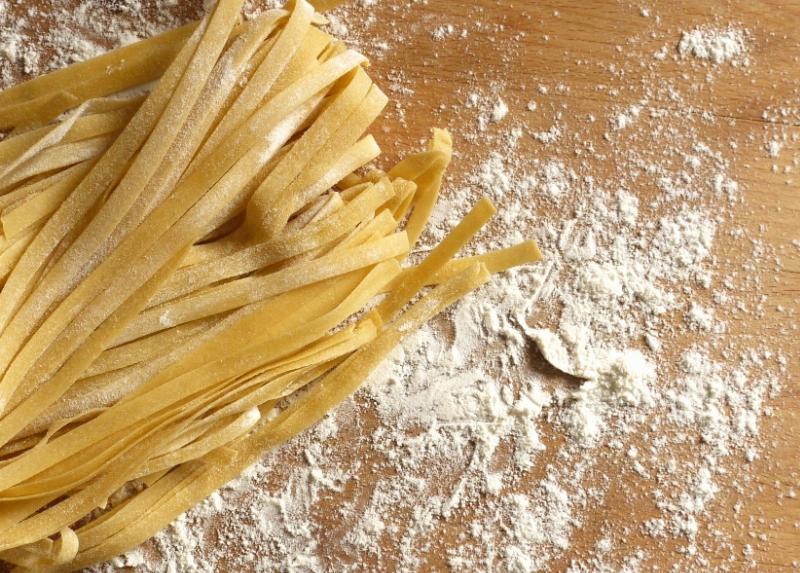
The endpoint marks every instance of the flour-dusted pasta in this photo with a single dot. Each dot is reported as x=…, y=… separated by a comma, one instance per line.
x=188, y=273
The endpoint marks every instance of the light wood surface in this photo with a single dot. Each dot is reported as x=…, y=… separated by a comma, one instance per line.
x=584, y=39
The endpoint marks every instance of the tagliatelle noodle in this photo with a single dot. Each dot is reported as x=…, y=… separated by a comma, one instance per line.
x=48, y=392
x=264, y=216
x=238, y=293
x=222, y=78
x=138, y=243
x=77, y=127
x=138, y=408
x=165, y=365
x=36, y=206
x=260, y=83
x=250, y=259
x=140, y=278
x=13, y=249
x=59, y=157
x=67, y=270
x=116, y=71
x=64, y=223
x=188, y=485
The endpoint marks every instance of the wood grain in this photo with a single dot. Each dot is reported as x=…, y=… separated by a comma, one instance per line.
x=586, y=44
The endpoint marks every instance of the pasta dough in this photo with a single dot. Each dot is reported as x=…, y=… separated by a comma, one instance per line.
x=186, y=274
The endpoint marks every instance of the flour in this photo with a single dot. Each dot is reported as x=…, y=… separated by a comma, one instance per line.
x=724, y=404
x=550, y=136
x=554, y=179
x=713, y=45
x=490, y=108
x=443, y=31
x=700, y=318
x=774, y=148
x=614, y=380
x=499, y=110
x=627, y=118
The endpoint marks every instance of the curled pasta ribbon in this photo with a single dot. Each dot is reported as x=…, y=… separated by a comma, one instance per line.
x=191, y=274
x=45, y=553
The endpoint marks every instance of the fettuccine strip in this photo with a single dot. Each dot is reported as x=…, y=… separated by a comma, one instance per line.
x=191, y=275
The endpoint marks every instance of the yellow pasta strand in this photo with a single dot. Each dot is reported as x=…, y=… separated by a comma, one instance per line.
x=188, y=276
x=110, y=73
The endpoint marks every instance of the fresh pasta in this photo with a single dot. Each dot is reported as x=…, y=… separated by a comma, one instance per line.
x=190, y=273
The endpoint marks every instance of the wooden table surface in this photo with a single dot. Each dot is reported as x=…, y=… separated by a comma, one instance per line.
x=586, y=43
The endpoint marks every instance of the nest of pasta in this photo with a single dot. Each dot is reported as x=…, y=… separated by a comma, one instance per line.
x=194, y=272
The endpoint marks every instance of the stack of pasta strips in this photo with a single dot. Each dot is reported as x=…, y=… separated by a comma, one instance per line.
x=192, y=275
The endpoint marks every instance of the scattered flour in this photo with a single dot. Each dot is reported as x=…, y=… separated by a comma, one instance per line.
x=716, y=46
x=499, y=110
x=627, y=117
x=615, y=380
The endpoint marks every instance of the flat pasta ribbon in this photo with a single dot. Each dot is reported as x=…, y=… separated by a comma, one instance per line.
x=196, y=273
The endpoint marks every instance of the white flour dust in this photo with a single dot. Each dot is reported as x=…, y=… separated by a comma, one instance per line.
x=716, y=46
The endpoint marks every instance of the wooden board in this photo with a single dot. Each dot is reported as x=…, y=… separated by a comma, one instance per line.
x=583, y=44
x=576, y=44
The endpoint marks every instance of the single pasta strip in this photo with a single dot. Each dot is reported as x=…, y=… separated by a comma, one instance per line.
x=46, y=552
x=13, y=156
x=37, y=206
x=59, y=157
x=495, y=262
x=110, y=73
x=18, y=195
